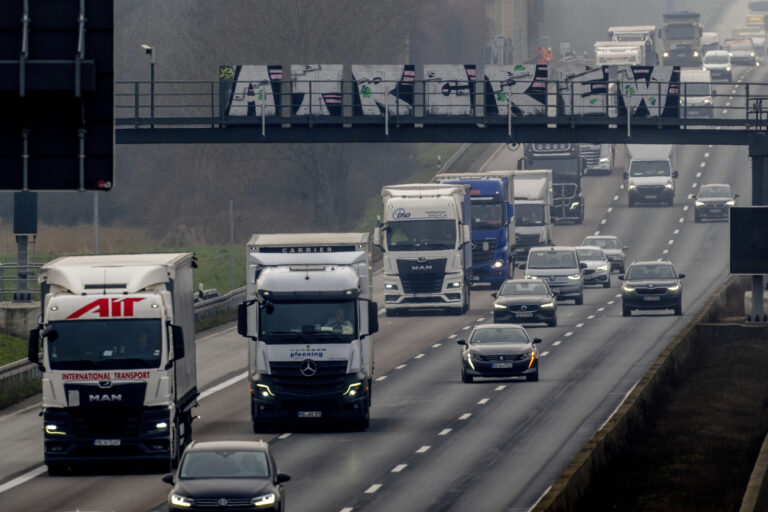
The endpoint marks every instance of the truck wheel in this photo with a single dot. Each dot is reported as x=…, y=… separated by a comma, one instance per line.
x=679, y=309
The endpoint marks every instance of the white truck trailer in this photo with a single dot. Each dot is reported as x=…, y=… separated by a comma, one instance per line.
x=427, y=247
x=533, y=204
x=650, y=173
x=118, y=358
x=310, y=316
x=643, y=33
x=620, y=53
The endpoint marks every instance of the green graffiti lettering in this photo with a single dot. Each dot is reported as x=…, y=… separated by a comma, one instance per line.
x=501, y=97
x=366, y=91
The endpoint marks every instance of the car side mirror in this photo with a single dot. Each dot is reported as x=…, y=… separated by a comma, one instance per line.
x=625, y=248
x=693, y=196
x=621, y=277
x=168, y=478
x=735, y=196
x=377, y=238
x=675, y=175
x=33, y=348
x=681, y=276
x=626, y=175
x=178, y=342
x=461, y=342
x=582, y=265
x=281, y=478
x=494, y=295
x=537, y=340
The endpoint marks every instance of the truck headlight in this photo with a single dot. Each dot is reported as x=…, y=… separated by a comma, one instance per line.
x=632, y=187
x=161, y=425
x=575, y=277
x=53, y=430
x=668, y=185
x=603, y=161
x=264, y=390
x=674, y=288
x=699, y=203
x=731, y=203
x=497, y=264
x=353, y=389
x=575, y=205
x=665, y=54
x=628, y=289
x=390, y=286
x=602, y=267
x=261, y=501
x=499, y=306
x=455, y=284
x=547, y=305
x=707, y=101
x=695, y=53
x=178, y=500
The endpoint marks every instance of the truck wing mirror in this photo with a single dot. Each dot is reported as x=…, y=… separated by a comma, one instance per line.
x=461, y=342
x=626, y=175
x=242, y=319
x=521, y=266
x=178, y=341
x=373, y=318
x=680, y=276
x=377, y=238
x=520, y=164
x=675, y=174
x=33, y=352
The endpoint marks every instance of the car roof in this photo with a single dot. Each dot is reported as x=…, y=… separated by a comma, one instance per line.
x=554, y=248
x=716, y=185
x=523, y=281
x=228, y=445
x=497, y=326
x=651, y=262
x=595, y=237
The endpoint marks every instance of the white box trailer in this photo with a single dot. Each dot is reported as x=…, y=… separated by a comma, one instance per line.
x=117, y=334
x=620, y=53
x=533, y=204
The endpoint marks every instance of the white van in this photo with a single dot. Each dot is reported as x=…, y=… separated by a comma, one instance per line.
x=696, y=95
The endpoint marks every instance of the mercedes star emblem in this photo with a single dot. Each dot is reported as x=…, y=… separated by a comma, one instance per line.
x=308, y=368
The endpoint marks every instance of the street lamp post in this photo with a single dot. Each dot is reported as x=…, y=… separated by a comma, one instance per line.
x=151, y=52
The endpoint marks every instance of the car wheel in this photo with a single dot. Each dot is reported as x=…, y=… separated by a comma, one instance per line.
x=466, y=378
x=553, y=322
x=631, y=203
x=696, y=217
x=579, y=300
x=607, y=284
x=534, y=377
x=679, y=309
x=626, y=311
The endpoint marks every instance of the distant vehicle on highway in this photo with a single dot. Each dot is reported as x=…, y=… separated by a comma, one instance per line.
x=598, y=269
x=611, y=246
x=559, y=266
x=713, y=202
x=718, y=62
x=498, y=350
x=525, y=301
x=651, y=285
x=227, y=475
x=709, y=41
x=742, y=52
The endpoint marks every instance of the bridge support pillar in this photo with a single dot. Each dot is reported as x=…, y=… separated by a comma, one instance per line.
x=758, y=151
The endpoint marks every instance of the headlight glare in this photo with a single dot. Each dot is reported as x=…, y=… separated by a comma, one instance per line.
x=699, y=203
x=499, y=306
x=547, y=305
x=497, y=264
x=731, y=203
x=267, y=499
x=574, y=277
x=181, y=501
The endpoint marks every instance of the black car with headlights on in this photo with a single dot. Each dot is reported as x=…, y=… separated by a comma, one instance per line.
x=499, y=350
x=525, y=301
x=713, y=201
x=227, y=475
x=651, y=285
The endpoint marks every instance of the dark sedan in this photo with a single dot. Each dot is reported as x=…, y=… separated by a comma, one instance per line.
x=713, y=201
x=499, y=350
x=651, y=285
x=227, y=475
x=525, y=301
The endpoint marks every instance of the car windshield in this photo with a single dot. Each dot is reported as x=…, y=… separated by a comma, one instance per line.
x=552, y=259
x=742, y=47
x=529, y=215
x=680, y=31
x=524, y=288
x=487, y=214
x=647, y=168
x=715, y=191
x=697, y=89
x=299, y=322
x=106, y=344
x=641, y=272
x=591, y=254
x=603, y=243
x=420, y=235
x=499, y=335
x=224, y=464
x=716, y=59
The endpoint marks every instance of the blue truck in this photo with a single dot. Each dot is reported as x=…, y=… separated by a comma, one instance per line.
x=493, y=224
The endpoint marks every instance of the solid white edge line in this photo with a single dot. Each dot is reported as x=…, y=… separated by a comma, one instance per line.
x=22, y=479
x=20, y=411
x=218, y=387
x=284, y=436
x=544, y=354
x=347, y=509
x=538, y=500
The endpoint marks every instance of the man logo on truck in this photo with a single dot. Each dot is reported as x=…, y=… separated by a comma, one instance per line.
x=115, y=397
x=119, y=307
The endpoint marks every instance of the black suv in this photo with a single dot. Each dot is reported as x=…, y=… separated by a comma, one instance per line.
x=713, y=202
x=651, y=285
x=525, y=301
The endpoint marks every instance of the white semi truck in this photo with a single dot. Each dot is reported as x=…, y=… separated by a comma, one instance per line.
x=620, y=53
x=643, y=33
x=118, y=358
x=425, y=238
x=309, y=315
x=533, y=204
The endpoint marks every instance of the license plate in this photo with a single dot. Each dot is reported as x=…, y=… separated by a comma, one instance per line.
x=475, y=278
x=651, y=197
x=715, y=210
x=524, y=315
x=106, y=442
x=502, y=365
x=651, y=298
x=422, y=295
x=310, y=414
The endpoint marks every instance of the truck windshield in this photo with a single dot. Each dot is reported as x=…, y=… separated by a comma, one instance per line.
x=630, y=36
x=716, y=59
x=421, y=235
x=759, y=6
x=311, y=321
x=529, y=215
x=487, y=214
x=648, y=168
x=680, y=31
x=106, y=344
x=561, y=167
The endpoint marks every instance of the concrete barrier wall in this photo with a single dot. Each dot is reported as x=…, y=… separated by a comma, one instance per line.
x=616, y=434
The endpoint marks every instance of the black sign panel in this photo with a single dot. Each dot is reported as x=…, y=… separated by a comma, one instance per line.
x=57, y=99
x=749, y=240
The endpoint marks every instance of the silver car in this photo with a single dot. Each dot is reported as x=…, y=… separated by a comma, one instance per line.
x=598, y=269
x=611, y=246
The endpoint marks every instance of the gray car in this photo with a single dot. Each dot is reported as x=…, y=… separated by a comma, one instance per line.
x=611, y=246
x=598, y=269
x=713, y=201
x=560, y=268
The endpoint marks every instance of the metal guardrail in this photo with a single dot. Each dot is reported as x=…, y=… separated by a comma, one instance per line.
x=19, y=282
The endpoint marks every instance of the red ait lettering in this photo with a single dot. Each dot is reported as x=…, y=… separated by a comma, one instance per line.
x=101, y=307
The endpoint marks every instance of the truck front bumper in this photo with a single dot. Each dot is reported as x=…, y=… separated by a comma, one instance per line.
x=451, y=294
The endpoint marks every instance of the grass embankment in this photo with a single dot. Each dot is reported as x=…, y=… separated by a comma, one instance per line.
x=12, y=349
x=696, y=453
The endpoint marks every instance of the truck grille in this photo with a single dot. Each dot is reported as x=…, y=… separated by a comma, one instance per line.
x=422, y=276
x=329, y=378
x=591, y=155
x=110, y=424
x=481, y=256
x=525, y=240
x=650, y=189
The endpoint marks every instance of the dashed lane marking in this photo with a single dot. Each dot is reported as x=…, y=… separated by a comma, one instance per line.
x=383, y=377
x=618, y=295
x=483, y=401
x=423, y=449
x=347, y=509
x=590, y=317
x=698, y=175
x=610, y=209
x=372, y=489
x=467, y=327
x=225, y=384
x=579, y=326
x=690, y=196
x=670, y=242
x=703, y=164
x=556, y=343
x=419, y=356
x=544, y=354
x=284, y=436
x=665, y=251
x=401, y=366
x=451, y=336
x=706, y=154
x=611, y=301
x=685, y=208
x=676, y=231
x=480, y=319
x=601, y=309
x=597, y=233
x=445, y=432
x=399, y=468
x=465, y=416
x=616, y=197
x=681, y=220
x=725, y=111
x=570, y=333
x=694, y=185
x=603, y=221
x=500, y=388
x=437, y=345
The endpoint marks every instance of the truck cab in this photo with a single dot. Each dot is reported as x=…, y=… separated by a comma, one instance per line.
x=696, y=94
x=681, y=35
x=620, y=53
x=650, y=173
x=567, y=169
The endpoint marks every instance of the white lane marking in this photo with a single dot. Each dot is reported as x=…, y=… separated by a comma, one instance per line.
x=544, y=354
x=698, y=174
x=685, y=208
x=590, y=317
x=597, y=233
x=601, y=309
x=706, y=154
x=500, y=388
x=621, y=187
x=556, y=343
x=372, y=489
x=611, y=301
x=445, y=432
x=436, y=345
x=480, y=319
x=618, y=295
x=347, y=509
x=451, y=336
x=578, y=326
x=284, y=436
x=694, y=185
x=710, y=145
x=703, y=164
x=727, y=103
x=733, y=91
x=616, y=198
x=218, y=387
x=399, y=468
x=467, y=327
x=483, y=401
x=26, y=477
x=676, y=231
x=725, y=111
x=383, y=377
x=419, y=356
x=603, y=221
x=690, y=196
x=681, y=220
x=401, y=366
x=465, y=416
x=670, y=242
x=570, y=333
x=665, y=251
x=620, y=404
x=610, y=209
x=423, y=449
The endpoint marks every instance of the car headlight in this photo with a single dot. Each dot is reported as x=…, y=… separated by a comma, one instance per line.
x=707, y=101
x=575, y=277
x=455, y=284
x=390, y=286
x=751, y=54
x=602, y=267
x=547, y=305
x=728, y=68
x=53, y=430
x=627, y=288
x=499, y=306
x=469, y=360
x=575, y=205
x=665, y=54
x=632, y=187
x=497, y=264
x=695, y=53
x=674, y=288
x=699, y=203
x=668, y=185
x=181, y=501
x=261, y=501
x=731, y=203
x=353, y=389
